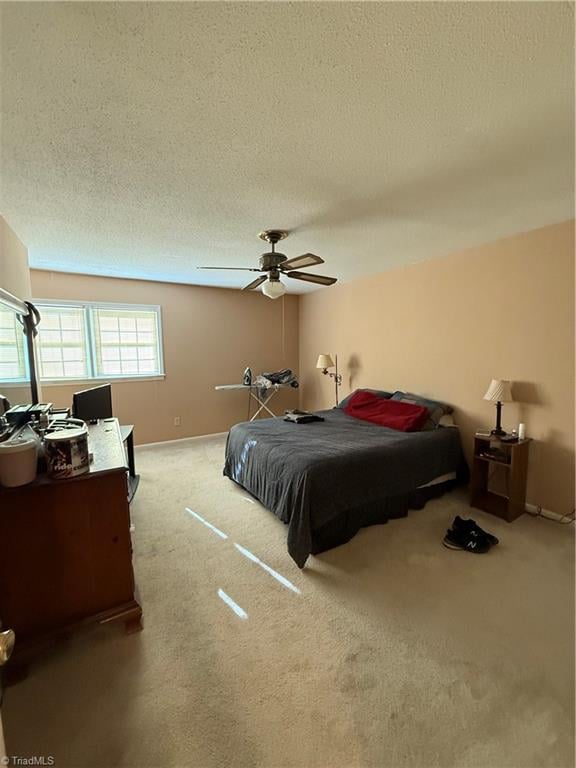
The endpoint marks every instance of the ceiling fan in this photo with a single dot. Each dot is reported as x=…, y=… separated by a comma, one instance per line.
x=274, y=264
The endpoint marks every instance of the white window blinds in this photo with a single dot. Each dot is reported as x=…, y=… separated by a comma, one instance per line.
x=12, y=357
x=62, y=343
x=98, y=341
x=126, y=342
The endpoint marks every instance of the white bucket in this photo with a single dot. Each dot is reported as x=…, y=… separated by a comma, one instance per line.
x=67, y=453
x=18, y=460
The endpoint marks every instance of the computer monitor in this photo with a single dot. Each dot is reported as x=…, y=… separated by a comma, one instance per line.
x=93, y=404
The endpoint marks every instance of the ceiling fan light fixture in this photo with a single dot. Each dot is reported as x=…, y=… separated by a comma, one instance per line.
x=273, y=289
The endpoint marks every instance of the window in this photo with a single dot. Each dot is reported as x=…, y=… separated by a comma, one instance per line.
x=126, y=342
x=13, y=366
x=62, y=348
x=86, y=340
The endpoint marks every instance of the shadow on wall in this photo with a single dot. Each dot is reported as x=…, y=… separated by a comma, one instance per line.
x=353, y=367
x=526, y=394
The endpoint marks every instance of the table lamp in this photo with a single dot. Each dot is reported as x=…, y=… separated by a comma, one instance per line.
x=324, y=362
x=499, y=391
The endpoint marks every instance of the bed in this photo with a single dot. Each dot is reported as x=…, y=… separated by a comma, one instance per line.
x=327, y=479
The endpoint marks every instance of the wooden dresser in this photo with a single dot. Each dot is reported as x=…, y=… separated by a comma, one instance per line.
x=65, y=547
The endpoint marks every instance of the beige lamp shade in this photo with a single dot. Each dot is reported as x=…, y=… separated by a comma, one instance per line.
x=325, y=361
x=500, y=390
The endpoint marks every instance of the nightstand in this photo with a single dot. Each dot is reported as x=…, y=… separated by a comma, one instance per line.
x=512, y=458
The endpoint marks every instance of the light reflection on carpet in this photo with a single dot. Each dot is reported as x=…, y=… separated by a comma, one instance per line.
x=217, y=531
x=267, y=568
x=232, y=604
x=248, y=554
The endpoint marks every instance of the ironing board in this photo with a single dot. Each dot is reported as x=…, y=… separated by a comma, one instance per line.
x=255, y=394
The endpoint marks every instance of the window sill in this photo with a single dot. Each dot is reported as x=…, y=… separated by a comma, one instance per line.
x=14, y=384
x=100, y=380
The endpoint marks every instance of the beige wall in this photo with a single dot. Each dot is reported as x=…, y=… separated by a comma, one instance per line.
x=446, y=327
x=14, y=272
x=14, y=278
x=210, y=336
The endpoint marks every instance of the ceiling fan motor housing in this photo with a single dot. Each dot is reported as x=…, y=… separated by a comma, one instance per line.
x=271, y=260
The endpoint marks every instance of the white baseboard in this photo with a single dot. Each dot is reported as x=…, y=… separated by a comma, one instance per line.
x=533, y=509
x=179, y=440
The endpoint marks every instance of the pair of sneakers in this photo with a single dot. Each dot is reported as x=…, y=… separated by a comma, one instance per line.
x=467, y=535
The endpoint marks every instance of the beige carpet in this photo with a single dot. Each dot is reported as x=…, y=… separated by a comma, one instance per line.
x=397, y=652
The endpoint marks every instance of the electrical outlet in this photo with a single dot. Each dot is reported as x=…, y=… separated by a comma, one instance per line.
x=176, y=421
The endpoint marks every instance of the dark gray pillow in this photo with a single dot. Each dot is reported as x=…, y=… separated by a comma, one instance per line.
x=379, y=392
x=436, y=409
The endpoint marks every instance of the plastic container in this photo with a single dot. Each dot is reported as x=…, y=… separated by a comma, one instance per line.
x=66, y=453
x=18, y=461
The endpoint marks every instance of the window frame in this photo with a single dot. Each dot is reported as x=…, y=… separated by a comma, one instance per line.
x=90, y=340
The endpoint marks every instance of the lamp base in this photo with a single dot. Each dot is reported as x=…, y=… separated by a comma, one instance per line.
x=498, y=431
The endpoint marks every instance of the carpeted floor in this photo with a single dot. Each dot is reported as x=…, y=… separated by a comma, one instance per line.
x=396, y=651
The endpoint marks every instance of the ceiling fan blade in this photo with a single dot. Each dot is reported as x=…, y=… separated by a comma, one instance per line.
x=243, y=269
x=301, y=262
x=255, y=283
x=309, y=278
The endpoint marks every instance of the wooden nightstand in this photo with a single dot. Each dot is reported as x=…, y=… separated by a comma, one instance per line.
x=513, y=459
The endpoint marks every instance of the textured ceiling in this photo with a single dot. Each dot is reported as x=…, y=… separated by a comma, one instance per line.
x=145, y=139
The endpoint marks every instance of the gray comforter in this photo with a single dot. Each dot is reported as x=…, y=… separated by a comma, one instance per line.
x=307, y=474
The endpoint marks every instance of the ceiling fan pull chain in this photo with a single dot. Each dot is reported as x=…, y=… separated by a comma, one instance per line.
x=283, y=331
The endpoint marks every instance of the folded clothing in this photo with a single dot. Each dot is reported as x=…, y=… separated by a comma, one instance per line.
x=405, y=417
x=285, y=376
x=301, y=417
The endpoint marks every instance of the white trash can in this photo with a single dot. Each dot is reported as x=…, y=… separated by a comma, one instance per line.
x=18, y=461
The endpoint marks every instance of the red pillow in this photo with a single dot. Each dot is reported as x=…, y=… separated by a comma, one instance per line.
x=404, y=417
